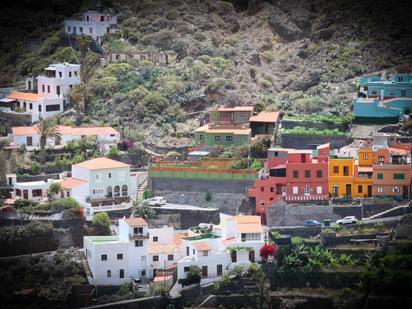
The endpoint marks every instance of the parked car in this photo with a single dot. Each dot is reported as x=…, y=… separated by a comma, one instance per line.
x=312, y=223
x=156, y=201
x=347, y=220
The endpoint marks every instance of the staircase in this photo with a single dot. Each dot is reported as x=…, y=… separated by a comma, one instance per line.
x=142, y=188
x=395, y=211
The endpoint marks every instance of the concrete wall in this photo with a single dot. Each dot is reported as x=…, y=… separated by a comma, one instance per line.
x=189, y=218
x=299, y=141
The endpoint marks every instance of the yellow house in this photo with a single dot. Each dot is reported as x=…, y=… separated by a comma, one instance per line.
x=341, y=176
x=363, y=173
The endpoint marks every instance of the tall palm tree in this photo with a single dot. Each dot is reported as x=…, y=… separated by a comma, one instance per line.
x=46, y=129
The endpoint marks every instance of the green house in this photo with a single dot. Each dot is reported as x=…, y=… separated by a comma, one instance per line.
x=222, y=136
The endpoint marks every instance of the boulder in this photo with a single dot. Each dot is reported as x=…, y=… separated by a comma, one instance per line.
x=283, y=26
x=305, y=81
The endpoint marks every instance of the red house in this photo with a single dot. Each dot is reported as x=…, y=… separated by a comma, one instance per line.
x=291, y=175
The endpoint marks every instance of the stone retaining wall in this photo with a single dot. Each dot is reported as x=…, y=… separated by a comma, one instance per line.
x=299, y=141
x=289, y=124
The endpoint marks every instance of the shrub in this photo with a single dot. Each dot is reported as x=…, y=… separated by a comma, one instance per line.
x=64, y=203
x=53, y=190
x=267, y=251
x=101, y=223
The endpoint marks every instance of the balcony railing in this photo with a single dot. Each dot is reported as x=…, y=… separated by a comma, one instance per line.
x=139, y=236
x=306, y=197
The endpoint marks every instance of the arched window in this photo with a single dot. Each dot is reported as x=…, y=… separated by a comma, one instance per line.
x=124, y=190
x=116, y=191
x=109, y=192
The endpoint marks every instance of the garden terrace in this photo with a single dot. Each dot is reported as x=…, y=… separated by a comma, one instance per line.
x=319, y=118
x=314, y=131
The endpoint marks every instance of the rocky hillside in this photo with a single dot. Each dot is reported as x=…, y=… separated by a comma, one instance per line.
x=290, y=55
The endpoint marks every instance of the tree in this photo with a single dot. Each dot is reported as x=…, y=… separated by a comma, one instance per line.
x=101, y=223
x=141, y=209
x=53, y=190
x=47, y=129
x=113, y=152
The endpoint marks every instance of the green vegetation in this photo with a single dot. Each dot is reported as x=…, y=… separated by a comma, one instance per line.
x=34, y=229
x=323, y=118
x=141, y=209
x=314, y=131
x=101, y=223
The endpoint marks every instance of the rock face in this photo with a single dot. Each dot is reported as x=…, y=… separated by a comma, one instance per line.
x=306, y=81
x=283, y=26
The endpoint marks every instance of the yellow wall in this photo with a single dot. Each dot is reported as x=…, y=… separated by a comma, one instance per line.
x=338, y=179
x=365, y=160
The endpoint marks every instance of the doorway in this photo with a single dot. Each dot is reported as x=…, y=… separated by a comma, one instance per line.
x=348, y=189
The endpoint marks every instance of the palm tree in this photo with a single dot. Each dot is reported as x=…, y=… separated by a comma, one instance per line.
x=46, y=129
x=80, y=94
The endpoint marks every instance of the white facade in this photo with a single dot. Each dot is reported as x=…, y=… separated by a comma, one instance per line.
x=29, y=136
x=118, y=259
x=34, y=191
x=53, y=86
x=92, y=23
x=211, y=251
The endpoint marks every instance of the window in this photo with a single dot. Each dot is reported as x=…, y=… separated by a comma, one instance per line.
x=120, y=256
x=99, y=177
x=109, y=273
x=262, y=189
x=228, y=138
x=170, y=257
x=319, y=173
x=29, y=141
x=380, y=190
x=81, y=29
x=374, y=92
x=138, y=230
x=318, y=190
x=52, y=107
x=392, y=93
x=233, y=256
x=58, y=90
x=138, y=243
x=262, y=202
x=110, y=175
x=48, y=88
x=121, y=273
x=336, y=169
x=201, y=137
x=104, y=257
x=396, y=189
x=272, y=189
x=155, y=258
x=379, y=176
x=155, y=239
x=360, y=188
x=295, y=190
x=346, y=171
x=194, y=251
x=60, y=74
x=381, y=159
x=69, y=29
x=90, y=30
x=70, y=73
x=30, y=106
x=39, y=108
x=295, y=174
x=186, y=269
x=217, y=138
x=398, y=176
x=306, y=190
x=307, y=174
x=335, y=189
x=187, y=251
x=365, y=157
x=42, y=88
x=219, y=269
x=204, y=271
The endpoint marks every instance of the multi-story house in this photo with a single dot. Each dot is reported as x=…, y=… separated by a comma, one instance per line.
x=92, y=23
x=30, y=137
x=392, y=171
x=114, y=260
x=53, y=86
x=291, y=175
x=382, y=101
x=236, y=240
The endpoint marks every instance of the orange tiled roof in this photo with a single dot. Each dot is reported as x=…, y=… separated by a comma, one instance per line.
x=101, y=163
x=29, y=96
x=265, y=117
x=136, y=221
x=201, y=246
x=70, y=182
x=248, y=224
x=88, y=131
x=161, y=278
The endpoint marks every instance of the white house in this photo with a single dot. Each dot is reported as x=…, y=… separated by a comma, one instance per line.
x=101, y=184
x=34, y=191
x=236, y=240
x=30, y=137
x=92, y=23
x=136, y=252
x=53, y=86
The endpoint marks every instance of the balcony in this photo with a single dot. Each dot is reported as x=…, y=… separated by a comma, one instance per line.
x=139, y=236
x=106, y=201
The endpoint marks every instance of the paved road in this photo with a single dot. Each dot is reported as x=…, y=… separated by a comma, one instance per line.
x=183, y=206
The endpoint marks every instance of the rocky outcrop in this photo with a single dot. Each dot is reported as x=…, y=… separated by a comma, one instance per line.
x=305, y=81
x=283, y=26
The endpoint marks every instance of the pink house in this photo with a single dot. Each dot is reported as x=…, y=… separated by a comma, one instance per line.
x=292, y=175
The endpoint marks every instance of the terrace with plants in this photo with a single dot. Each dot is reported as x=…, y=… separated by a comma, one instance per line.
x=313, y=131
x=320, y=118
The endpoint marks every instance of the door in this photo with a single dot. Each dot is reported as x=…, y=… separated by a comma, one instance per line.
x=233, y=256
x=29, y=141
x=252, y=256
x=348, y=189
x=219, y=269
x=74, y=30
x=204, y=271
x=369, y=191
x=405, y=192
x=25, y=194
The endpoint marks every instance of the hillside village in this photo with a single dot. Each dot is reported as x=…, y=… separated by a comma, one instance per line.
x=168, y=158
